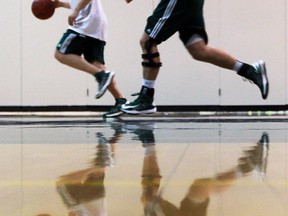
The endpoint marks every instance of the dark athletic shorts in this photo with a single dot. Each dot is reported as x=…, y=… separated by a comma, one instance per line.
x=183, y=16
x=74, y=43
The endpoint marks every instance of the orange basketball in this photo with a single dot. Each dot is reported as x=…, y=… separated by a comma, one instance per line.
x=43, y=9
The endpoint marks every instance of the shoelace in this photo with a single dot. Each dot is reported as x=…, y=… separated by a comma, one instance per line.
x=135, y=94
x=247, y=80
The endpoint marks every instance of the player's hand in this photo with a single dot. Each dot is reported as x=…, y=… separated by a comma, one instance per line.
x=72, y=17
x=128, y=1
x=57, y=3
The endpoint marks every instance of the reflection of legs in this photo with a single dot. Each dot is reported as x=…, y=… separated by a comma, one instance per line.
x=80, y=188
x=197, y=198
x=105, y=155
x=151, y=178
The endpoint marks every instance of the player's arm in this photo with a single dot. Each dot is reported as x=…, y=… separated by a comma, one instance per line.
x=63, y=4
x=75, y=12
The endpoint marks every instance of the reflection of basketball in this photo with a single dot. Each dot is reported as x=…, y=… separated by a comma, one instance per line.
x=43, y=9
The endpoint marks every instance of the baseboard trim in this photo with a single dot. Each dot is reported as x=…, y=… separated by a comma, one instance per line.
x=160, y=108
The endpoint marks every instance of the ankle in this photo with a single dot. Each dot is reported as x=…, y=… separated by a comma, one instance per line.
x=99, y=74
x=244, y=69
x=148, y=91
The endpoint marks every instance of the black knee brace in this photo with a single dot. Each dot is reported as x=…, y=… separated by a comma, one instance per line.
x=150, y=56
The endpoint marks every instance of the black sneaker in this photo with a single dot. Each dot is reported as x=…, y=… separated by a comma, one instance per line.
x=142, y=105
x=115, y=111
x=257, y=74
x=104, y=78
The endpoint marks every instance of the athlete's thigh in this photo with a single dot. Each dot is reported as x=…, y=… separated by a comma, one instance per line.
x=94, y=50
x=70, y=43
x=170, y=16
x=164, y=22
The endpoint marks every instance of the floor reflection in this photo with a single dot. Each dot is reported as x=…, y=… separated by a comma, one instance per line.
x=151, y=168
x=83, y=191
x=196, y=200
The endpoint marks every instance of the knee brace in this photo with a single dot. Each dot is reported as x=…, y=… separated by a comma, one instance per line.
x=150, y=56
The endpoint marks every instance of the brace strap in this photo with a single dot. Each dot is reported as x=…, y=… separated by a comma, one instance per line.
x=151, y=63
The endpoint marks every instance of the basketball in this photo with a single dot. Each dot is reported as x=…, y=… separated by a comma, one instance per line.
x=43, y=9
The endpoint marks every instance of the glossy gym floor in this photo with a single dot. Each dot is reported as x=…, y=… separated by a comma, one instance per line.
x=182, y=166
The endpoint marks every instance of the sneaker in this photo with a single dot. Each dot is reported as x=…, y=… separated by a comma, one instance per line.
x=257, y=74
x=104, y=78
x=116, y=111
x=142, y=105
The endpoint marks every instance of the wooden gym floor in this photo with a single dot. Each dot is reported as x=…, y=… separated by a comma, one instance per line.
x=223, y=166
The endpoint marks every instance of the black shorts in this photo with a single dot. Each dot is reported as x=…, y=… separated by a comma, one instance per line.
x=171, y=16
x=74, y=43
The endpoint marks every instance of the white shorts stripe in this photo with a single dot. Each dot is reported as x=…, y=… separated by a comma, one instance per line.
x=66, y=43
x=163, y=19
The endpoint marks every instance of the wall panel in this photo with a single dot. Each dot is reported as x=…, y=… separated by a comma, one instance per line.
x=249, y=30
x=253, y=30
x=10, y=55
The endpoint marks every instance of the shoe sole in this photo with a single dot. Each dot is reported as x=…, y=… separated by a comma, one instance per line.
x=264, y=80
x=114, y=115
x=137, y=112
x=104, y=89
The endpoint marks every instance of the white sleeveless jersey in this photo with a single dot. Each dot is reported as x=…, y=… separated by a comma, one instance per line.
x=91, y=21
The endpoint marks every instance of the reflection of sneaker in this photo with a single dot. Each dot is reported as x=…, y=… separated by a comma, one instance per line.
x=257, y=156
x=143, y=104
x=257, y=74
x=117, y=124
x=115, y=111
x=261, y=161
x=104, y=78
x=144, y=132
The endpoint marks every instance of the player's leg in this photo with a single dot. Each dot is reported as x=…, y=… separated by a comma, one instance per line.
x=95, y=54
x=103, y=77
x=201, y=52
x=115, y=111
x=151, y=58
x=151, y=64
x=69, y=52
x=256, y=72
x=161, y=25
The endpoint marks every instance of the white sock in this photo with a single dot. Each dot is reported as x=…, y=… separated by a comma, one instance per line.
x=148, y=83
x=237, y=66
x=149, y=150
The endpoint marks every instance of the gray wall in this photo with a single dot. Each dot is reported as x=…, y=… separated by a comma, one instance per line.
x=250, y=30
